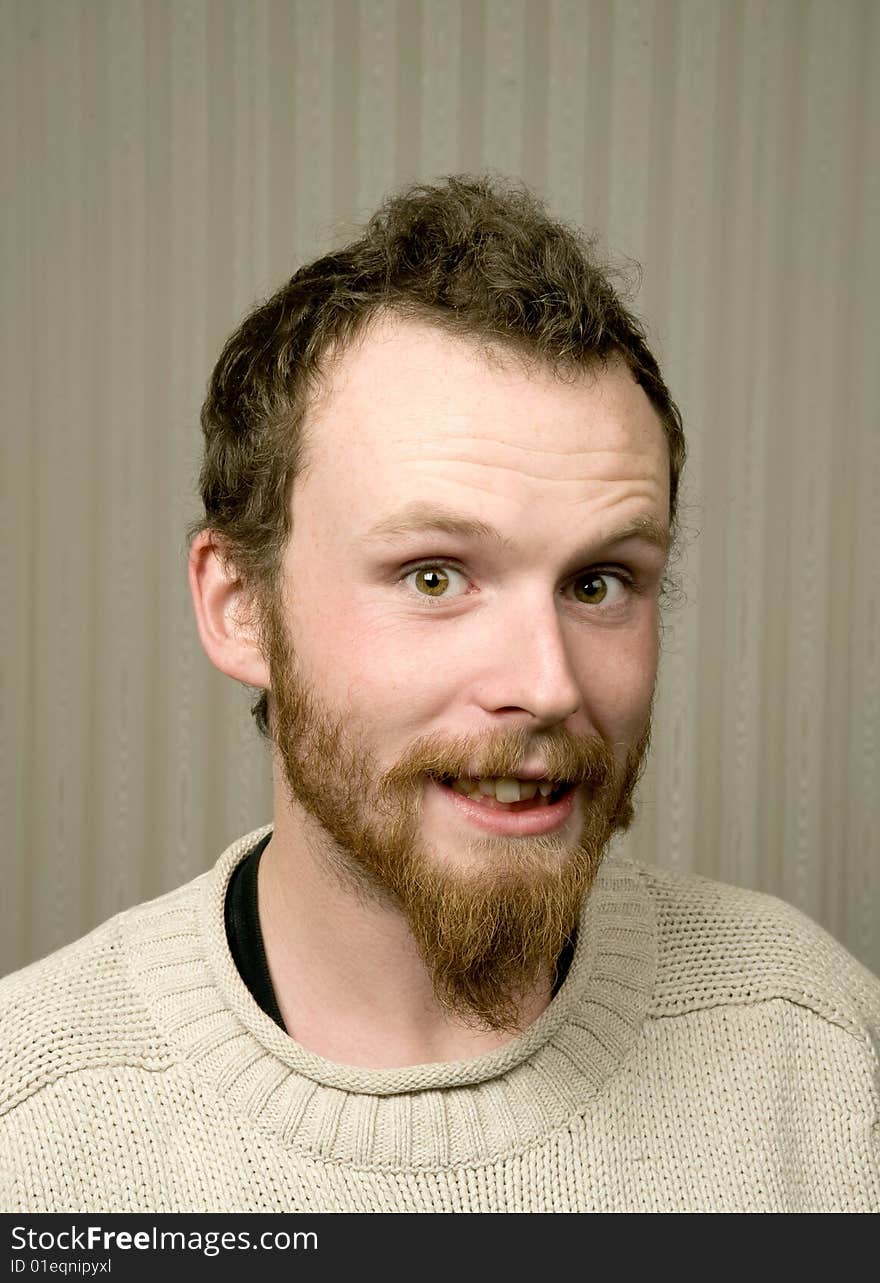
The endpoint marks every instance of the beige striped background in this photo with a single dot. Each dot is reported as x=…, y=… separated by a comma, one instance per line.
x=167, y=162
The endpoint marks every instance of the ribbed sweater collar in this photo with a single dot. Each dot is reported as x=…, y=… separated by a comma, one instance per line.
x=419, y=1115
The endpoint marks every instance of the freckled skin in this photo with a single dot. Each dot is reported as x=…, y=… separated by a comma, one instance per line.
x=555, y=466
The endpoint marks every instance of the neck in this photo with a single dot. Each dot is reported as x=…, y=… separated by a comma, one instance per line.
x=349, y=981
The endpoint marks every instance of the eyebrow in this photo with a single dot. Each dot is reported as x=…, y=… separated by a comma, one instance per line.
x=422, y=517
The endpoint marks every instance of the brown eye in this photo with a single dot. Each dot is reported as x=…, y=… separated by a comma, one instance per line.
x=436, y=581
x=591, y=589
x=431, y=581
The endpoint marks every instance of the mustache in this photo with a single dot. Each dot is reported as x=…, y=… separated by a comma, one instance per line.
x=567, y=758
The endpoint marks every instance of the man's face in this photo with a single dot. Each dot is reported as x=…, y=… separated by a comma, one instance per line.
x=460, y=605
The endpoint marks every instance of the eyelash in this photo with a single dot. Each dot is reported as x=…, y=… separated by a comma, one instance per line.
x=617, y=572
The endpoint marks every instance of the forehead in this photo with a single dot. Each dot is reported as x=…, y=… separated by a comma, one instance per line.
x=410, y=413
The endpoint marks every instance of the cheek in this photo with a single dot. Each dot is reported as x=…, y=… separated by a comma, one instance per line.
x=373, y=670
x=616, y=674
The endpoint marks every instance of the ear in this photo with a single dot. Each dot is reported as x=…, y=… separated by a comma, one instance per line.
x=223, y=614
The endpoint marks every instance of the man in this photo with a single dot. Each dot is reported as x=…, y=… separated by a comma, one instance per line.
x=440, y=484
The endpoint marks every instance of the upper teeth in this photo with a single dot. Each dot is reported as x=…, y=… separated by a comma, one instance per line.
x=503, y=790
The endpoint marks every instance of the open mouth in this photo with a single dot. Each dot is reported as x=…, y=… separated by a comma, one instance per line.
x=508, y=794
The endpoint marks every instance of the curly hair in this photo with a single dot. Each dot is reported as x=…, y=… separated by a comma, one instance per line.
x=478, y=257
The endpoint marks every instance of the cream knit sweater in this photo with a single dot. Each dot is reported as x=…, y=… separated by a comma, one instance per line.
x=710, y=1050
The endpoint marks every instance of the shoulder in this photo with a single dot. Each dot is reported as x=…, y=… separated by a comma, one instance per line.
x=77, y=1009
x=725, y=945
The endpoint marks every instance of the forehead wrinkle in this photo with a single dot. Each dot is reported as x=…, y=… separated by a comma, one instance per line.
x=512, y=467
x=647, y=492
x=441, y=447
x=471, y=439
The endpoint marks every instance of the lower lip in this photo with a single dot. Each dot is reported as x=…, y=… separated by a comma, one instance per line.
x=543, y=819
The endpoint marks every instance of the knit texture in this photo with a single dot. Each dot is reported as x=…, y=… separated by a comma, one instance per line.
x=711, y=1049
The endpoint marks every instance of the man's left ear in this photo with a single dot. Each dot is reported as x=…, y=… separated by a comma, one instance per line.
x=224, y=614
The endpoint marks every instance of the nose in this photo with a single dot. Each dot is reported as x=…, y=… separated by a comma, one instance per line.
x=527, y=666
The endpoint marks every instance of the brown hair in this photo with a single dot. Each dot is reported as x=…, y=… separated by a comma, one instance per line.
x=478, y=257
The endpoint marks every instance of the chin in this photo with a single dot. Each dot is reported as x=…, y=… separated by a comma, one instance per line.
x=498, y=860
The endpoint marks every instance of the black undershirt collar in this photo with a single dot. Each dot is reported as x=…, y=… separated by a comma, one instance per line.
x=244, y=934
